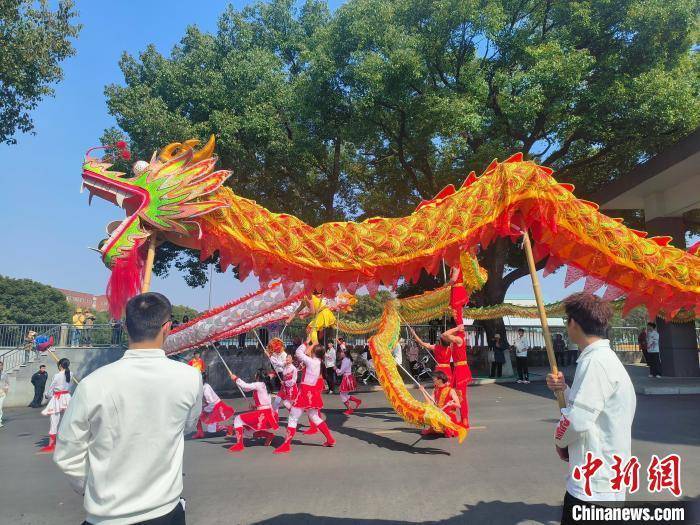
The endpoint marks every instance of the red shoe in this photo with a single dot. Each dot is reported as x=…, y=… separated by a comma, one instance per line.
x=239, y=441
x=51, y=446
x=358, y=402
x=330, y=442
x=348, y=412
x=286, y=447
x=229, y=431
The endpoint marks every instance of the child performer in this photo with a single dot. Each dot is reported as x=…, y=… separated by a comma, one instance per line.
x=348, y=384
x=214, y=411
x=309, y=399
x=278, y=358
x=462, y=374
x=445, y=397
x=259, y=420
x=59, y=398
x=289, y=391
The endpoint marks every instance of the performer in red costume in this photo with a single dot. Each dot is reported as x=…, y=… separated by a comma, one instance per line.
x=442, y=352
x=309, y=399
x=260, y=420
x=214, y=412
x=197, y=361
x=348, y=384
x=462, y=374
x=458, y=294
x=445, y=397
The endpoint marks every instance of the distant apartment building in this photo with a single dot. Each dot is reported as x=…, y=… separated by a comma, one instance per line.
x=96, y=303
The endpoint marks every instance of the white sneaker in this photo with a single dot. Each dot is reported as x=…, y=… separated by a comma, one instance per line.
x=519, y=381
x=527, y=381
x=658, y=376
x=651, y=375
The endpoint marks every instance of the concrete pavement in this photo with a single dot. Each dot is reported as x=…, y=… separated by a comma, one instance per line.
x=380, y=472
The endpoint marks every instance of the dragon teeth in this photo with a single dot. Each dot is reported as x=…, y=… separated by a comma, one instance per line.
x=120, y=199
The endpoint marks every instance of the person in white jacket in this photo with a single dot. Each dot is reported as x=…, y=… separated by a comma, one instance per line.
x=600, y=406
x=121, y=440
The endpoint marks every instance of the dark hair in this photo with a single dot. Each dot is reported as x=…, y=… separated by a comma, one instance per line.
x=442, y=376
x=589, y=311
x=651, y=324
x=296, y=340
x=65, y=364
x=347, y=353
x=319, y=351
x=145, y=316
x=521, y=330
x=42, y=366
x=197, y=351
x=205, y=376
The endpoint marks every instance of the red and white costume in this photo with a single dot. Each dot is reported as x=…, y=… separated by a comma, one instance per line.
x=59, y=397
x=461, y=377
x=443, y=356
x=443, y=395
x=309, y=400
x=214, y=412
x=290, y=390
x=259, y=420
x=347, y=385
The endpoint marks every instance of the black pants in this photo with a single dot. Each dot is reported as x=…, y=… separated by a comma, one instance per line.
x=38, y=394
x=174, y=517
x=330, y=378
x=496, y=369
x=654, y=363
x=521, y=363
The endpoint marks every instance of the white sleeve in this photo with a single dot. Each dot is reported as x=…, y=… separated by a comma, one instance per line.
x=301, y=356
x=583, y=409
x=208, y=393
x=52, y=386
x=72, y=441
x=196, y=409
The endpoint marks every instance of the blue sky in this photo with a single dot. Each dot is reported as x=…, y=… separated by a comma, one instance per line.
x=47, y=224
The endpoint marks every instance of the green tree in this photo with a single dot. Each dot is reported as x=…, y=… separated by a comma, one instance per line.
x=179, y=311
x=25, y=301
x=378, y=105
x=34, y=40
x=367, y=307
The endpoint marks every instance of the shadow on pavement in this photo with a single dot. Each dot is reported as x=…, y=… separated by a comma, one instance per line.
x=496, y=512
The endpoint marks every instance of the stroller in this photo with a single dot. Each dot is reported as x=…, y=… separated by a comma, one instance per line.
x=420, y=368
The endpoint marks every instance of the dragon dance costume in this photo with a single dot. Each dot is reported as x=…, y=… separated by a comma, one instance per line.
x=214, y=412
x=347, y=386
x=322, y=317
x=461, y=377
x=443, y=356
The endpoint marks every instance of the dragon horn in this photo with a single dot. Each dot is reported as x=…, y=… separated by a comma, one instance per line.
x=206, y=151
x=167, y=152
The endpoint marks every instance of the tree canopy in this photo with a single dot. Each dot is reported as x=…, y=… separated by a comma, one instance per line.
x=369, y=109
x=34, y=40
x=25, y=301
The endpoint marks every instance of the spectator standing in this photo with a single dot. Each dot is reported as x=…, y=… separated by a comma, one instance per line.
x=412, y=354
x=39, y=381
x=4, y=388
x=600, y=406
x=121, y=442
x=642, y=342
x=521, y=347
x=116, y=332
x=499, y=356
x=559, y=350
x=329, y=362
x=88, y=327
x=654, y=359
x=29, y=344
x=185, y=319
x=174, y=321
x=78, y=321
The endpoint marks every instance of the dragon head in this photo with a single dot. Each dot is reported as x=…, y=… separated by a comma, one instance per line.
x=161, y=195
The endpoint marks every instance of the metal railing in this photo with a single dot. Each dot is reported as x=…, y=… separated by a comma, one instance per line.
x=96, y=335
x=23, y=354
